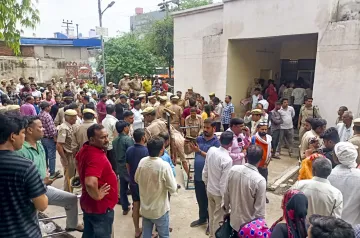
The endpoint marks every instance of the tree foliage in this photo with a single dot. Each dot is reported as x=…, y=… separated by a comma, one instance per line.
x=187, y=4
x=15, y=14
x=127, y=54
x=160, y=39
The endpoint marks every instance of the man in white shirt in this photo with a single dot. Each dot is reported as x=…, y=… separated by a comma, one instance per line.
x=323, y=198
x=298, y=95
x=217, y=166
x=109, y=123
x=245, y=192
x=346, y=177
x=34, y=91
x=155, y=205
x=218, y=112
x=287, y=114
x=345, y=128
x=138, y=117
x=256, y=97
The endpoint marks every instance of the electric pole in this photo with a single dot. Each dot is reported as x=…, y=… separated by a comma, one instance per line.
x=67, y=23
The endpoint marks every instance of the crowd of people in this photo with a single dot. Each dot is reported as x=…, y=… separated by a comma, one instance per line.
x=128, y=141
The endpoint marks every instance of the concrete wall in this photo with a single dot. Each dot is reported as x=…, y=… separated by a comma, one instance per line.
x=302, y=48
x=264, y=18
x=200, y=52
x=337, y=73
x=48, y=62
x=246, y=58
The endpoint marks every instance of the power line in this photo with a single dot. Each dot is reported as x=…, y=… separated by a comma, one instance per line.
x=67, y=23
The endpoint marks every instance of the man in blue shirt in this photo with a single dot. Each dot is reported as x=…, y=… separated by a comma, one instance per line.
x=133, y=156
x=166, y=157
x=202, y=145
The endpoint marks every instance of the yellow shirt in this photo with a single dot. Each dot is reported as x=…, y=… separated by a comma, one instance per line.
x=204, y=115
x=147, y=85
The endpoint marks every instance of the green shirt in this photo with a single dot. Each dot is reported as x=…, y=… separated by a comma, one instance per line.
x=36, y=155
x=96, y=87
x=120, y=145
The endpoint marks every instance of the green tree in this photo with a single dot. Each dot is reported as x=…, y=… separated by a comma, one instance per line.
x=160, y=40
x=187, y=4
x=15, y=14
x=127, y=54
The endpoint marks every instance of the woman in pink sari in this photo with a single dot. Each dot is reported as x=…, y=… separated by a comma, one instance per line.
x=272, y=96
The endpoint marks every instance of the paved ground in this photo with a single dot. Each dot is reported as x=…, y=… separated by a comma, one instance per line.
x=184, y=208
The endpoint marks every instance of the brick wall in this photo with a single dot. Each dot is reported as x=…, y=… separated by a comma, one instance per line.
x=26, y=51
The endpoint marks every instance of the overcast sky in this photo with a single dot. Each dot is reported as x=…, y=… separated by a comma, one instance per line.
x=84, y=13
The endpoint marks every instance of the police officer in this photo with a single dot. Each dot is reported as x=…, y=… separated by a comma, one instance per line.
x=63, y=146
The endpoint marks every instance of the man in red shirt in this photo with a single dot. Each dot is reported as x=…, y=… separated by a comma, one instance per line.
x=99, y=184
x=101, y=107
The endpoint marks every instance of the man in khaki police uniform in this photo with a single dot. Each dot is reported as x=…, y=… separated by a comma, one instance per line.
x=176, y=118
x=80, y=132
x=152, y=102
x=307, y=110
x=160, y=109
x=63, y=146
x=158, y=125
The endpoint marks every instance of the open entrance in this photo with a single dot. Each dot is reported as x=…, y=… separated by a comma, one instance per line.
x=281, y=58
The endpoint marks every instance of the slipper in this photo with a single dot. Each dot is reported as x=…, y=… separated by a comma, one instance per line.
x=73, y=229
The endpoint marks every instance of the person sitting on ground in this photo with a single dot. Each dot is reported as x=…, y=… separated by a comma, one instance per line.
x=295, y=206
x=327, y=226
x=324, y=199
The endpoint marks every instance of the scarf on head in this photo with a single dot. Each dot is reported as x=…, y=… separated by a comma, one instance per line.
x=256, y=228
x=295, y=207
x=346, y=153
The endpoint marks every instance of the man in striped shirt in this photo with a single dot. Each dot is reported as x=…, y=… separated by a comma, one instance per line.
x=22, y=191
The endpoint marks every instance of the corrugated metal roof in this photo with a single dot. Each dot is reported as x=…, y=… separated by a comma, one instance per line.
x=91, y=42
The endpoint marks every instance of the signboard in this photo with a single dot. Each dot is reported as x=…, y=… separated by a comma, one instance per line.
x=101, y=31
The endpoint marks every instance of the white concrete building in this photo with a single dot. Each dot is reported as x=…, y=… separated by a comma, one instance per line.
x=223, y=47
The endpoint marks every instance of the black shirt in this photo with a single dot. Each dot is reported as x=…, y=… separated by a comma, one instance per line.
x=280, y=231
x=19, y=183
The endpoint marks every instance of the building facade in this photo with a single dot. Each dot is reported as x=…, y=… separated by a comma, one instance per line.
x=143, y=21
x=44, y=58
x=230, y=44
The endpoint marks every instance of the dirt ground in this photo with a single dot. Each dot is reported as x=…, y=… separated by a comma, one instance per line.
x=184, y=207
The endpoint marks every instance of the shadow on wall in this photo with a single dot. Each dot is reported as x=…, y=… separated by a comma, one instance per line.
x=348, y=10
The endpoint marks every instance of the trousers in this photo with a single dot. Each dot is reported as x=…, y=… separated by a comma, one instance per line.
x=66, y=200
x=275, y=139
x=50, y=146
x=124, y=186
x=161, y=224
x=202, y=200
x=98, y=225
x=69, y=171
x=216, y=213
x=288, y=135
